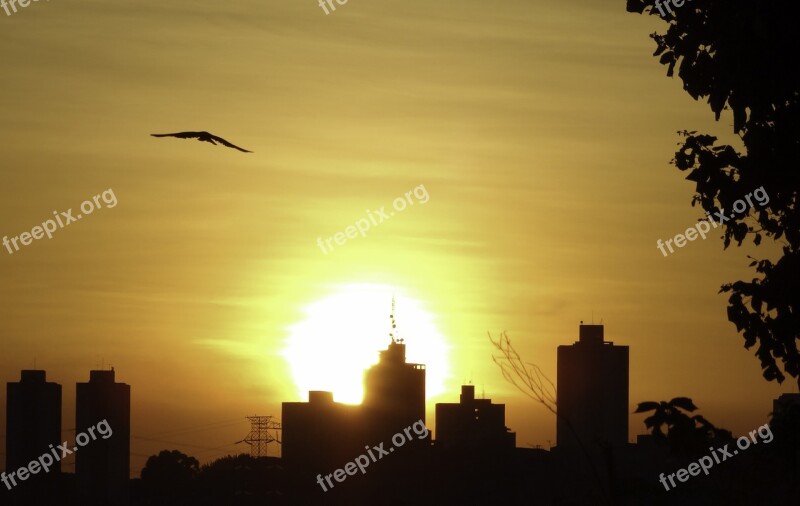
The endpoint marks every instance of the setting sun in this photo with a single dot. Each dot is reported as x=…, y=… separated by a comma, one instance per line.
x=342, y=334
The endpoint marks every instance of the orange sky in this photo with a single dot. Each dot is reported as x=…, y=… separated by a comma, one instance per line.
x=541, y=132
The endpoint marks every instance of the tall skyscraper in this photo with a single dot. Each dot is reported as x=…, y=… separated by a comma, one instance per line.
x=394, y=392
x=592, y=391
x=102, y=467
x=322, y=433
x=33, y=419
x=394, y=398
x=33, y=423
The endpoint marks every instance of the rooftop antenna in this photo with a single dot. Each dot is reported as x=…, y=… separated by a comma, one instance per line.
x=394, y=324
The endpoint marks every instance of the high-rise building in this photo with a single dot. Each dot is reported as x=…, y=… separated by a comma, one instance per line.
x=473, y=424
x=33, y=428
x=394, y=398
x=592, y=391
x=33, y=419
x=321, y=433
x=102, y=466
x=394, y=392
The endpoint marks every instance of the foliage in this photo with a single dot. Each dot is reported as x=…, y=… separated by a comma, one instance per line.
x=687, y=436
x=742, y=55
x=169, y=476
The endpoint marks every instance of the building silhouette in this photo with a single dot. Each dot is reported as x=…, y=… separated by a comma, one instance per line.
x=33, y=427
x=33, y=419
x=592, y=392
x=394, y=392
x=473, y=424
x=102, y=467
x=322, y=432
x=319, y=431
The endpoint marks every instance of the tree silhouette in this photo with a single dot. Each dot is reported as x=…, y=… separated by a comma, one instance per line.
x=168, y=477
x=687, y=436
x=241, y=480
x=528, y=378
x=742, y=55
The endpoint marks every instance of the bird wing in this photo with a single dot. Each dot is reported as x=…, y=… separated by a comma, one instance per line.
x=181, y=135
x=203, y=136
x=226, y=143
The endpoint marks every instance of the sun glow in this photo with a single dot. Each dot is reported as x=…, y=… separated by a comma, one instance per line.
x=342, y=334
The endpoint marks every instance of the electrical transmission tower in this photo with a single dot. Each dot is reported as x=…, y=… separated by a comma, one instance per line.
x=260, y=435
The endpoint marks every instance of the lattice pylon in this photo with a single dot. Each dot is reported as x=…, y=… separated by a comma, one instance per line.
x=260, y=435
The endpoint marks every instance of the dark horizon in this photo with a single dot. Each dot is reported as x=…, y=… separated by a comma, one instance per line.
x=321, y=434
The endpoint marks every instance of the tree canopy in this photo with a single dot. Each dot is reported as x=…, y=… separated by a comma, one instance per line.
x=742, y=55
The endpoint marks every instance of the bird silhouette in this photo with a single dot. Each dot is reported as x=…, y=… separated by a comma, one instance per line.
x=203, y=136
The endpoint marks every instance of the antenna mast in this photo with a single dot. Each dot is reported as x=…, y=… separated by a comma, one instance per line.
x=393, y=333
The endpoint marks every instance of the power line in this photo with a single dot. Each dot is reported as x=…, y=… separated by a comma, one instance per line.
x=198, y=428
x=181, y=444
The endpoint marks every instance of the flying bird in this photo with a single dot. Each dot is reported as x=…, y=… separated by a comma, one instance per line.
x=203, y=136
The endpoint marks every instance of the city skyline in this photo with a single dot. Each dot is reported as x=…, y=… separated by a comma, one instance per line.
x=589, y=337
x=592, y=426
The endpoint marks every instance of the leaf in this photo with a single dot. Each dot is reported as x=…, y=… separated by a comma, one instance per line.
x=646, y=406
x=684, y=403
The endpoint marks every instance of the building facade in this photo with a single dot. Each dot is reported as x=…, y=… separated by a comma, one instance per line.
x=322, y=432
x=394, y=393
x=592, y=391
x=102, y=466
x=33, y=428
x=473, y=424
x=33, y=419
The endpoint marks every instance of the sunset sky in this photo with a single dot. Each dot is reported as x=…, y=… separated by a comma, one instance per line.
x=541, y=132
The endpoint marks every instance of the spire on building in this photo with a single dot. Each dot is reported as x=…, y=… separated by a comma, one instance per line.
x=393, y=333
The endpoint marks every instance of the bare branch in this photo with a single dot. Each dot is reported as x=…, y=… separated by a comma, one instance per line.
x=528, y=378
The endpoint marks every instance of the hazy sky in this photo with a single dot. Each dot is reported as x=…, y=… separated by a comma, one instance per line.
x=541, y=131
